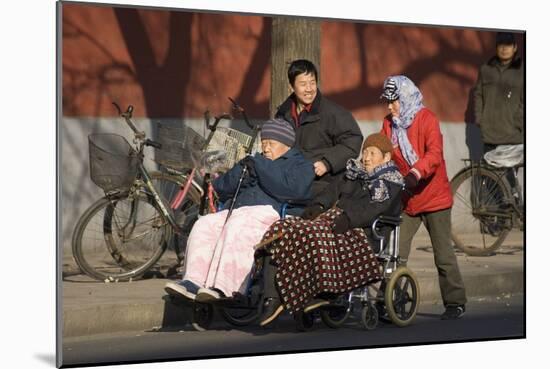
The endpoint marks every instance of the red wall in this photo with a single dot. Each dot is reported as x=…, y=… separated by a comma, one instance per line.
x=177, y=64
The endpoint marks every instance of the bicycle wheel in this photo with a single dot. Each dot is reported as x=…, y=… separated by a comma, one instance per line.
x=119, y=238
x=401, y=297
x=481, y=216
x=335, y=314
x=186, y=214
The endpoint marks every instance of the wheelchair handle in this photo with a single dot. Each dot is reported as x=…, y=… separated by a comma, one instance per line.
x=383, y=219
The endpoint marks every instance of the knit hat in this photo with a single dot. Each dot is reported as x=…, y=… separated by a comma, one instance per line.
x=380, y=141
x=505, y=38
x=279, y=130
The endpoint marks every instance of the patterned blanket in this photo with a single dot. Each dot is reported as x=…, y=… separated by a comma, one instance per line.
x=311, y=259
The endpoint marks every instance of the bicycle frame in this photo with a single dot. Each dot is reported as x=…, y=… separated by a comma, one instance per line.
x=141, y=141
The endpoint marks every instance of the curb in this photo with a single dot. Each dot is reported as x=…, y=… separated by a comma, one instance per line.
x=161, y=314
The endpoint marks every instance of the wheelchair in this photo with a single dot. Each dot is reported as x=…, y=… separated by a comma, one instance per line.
x=394, y=298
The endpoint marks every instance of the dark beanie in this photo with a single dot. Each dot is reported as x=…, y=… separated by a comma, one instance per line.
x=505, y=38
x=279, y=130
x=379, y=140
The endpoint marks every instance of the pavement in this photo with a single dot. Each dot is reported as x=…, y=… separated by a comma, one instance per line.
x=90, y=307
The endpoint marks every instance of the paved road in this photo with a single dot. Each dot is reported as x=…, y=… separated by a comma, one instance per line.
x=500, y=317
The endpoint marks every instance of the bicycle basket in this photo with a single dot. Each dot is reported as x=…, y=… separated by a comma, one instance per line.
x=233, y=142
x=181, y=147
x=113, y=162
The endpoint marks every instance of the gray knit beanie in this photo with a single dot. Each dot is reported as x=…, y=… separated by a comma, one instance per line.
x=279, y=130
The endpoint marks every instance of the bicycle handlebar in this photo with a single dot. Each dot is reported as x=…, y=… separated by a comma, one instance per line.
x=255, y=128
x=241, y=111
x=127, y=115
x=155, y=144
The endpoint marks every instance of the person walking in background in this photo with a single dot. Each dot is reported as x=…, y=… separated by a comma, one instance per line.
x=418, y=153
x=326, y=133
x=499, y=99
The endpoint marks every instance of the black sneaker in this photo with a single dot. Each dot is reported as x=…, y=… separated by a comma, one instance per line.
x=453, y=312
x=272, y=309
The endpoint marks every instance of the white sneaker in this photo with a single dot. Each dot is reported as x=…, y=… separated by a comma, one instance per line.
x=207, y=295
x=184, y=288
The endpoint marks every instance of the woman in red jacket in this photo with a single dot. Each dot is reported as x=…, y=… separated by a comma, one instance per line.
x=418, y=153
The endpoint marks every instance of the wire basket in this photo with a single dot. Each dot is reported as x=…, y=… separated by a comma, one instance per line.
x=113, y=162
x=181, y=147
x=232, y=142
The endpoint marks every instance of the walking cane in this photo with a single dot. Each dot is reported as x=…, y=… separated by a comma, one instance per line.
x=255, y=130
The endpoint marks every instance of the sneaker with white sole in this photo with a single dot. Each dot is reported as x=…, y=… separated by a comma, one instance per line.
x=453, y=312
x=315, y=304
x=272, y=309
x=208, y=295
x=183, y=288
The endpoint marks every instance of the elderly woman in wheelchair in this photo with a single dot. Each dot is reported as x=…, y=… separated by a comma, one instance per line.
x=327, y=259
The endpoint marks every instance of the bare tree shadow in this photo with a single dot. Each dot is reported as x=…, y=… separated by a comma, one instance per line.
x=171, y=77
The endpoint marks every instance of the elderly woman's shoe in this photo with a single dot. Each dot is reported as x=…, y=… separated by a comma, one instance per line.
x=315, y=304
x=272, y=309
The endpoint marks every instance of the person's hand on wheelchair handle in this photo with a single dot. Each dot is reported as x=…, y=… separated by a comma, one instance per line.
x=410, y=181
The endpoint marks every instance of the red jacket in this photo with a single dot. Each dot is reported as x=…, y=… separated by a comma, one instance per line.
x=433, y=191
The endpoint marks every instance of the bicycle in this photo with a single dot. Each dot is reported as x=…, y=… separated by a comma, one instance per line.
x=486, y=207
x=122, y=235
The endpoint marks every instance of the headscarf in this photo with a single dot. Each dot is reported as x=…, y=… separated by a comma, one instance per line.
x=410, y=102
x=375, y=180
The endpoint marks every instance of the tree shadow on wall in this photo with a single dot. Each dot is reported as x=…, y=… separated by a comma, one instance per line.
x=163, y=85
x=419, y=70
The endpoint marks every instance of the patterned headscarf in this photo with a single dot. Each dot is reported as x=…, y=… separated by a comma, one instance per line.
x=410, y=102
x=375, y=180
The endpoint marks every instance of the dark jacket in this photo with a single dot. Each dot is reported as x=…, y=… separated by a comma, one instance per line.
x=327, y=132
x=356, y=200
x=275, y=181
x=499, y=102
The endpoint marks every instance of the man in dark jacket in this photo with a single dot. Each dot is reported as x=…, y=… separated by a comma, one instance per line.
x=326, y=133
x=499, y=95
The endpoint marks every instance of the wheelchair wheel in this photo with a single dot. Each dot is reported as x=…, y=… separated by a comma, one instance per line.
x=401, y=297
x=337, y=312
x=202, y=316
x=304, y=321
x=241, y=316
x=369, y=316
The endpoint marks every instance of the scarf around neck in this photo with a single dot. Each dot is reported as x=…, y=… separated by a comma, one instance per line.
x=375, y=180
x=410, y=102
